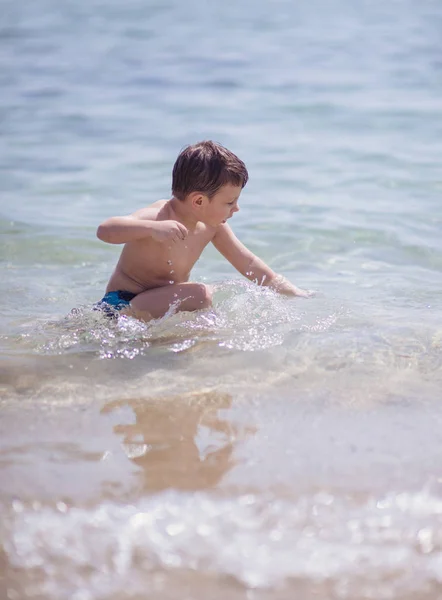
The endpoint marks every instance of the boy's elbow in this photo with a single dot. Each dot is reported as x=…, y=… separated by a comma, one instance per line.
x=104, y=234
x=101, y=233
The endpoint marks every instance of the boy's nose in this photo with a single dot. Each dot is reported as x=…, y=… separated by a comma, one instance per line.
x=236, y=209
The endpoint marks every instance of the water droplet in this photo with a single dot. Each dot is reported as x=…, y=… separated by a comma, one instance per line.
x=171, y=282
x=169, y=262
x=172, y=271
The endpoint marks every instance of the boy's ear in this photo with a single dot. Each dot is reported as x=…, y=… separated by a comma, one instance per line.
x=197, y=198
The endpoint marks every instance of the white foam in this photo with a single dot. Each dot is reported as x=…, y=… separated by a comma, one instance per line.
x=390, y=544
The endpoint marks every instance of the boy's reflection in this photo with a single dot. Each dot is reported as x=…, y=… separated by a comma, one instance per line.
x=179, y=441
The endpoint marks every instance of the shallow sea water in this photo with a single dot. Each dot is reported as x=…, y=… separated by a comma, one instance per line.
x=266, y=449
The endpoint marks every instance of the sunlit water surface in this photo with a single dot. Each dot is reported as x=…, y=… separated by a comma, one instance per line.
x=268, y=448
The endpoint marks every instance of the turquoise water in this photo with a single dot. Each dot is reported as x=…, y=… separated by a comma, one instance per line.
x=269, y=447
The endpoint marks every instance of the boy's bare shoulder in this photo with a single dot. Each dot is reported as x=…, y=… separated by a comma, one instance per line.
x=222, y=231
x=156, y=211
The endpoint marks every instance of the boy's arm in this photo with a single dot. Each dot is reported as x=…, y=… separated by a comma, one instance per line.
x=141, y=224
x=249, y=265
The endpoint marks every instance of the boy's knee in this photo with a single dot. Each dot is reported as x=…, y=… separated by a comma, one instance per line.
x=204, y=295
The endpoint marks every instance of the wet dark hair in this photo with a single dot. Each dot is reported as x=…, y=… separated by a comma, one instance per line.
x=205, y=167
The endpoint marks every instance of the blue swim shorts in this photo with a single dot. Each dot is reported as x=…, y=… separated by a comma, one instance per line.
x=114, y=301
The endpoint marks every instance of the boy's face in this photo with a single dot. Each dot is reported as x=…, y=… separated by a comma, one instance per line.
x=222, y=205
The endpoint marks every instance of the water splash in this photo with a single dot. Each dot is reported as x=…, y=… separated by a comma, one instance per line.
x=244, y=317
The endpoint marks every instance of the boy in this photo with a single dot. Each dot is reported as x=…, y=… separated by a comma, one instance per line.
x=163, y=241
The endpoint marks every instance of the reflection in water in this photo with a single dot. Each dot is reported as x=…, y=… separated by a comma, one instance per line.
x=179, y=441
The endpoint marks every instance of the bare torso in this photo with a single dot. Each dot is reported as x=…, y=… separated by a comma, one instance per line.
x=147, y=264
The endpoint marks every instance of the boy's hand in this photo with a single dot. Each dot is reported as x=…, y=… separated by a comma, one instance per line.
x=304, y=293
x=283, y=286
x=164, y=231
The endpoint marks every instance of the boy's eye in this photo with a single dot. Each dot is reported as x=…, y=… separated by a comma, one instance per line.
x=231, y=203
